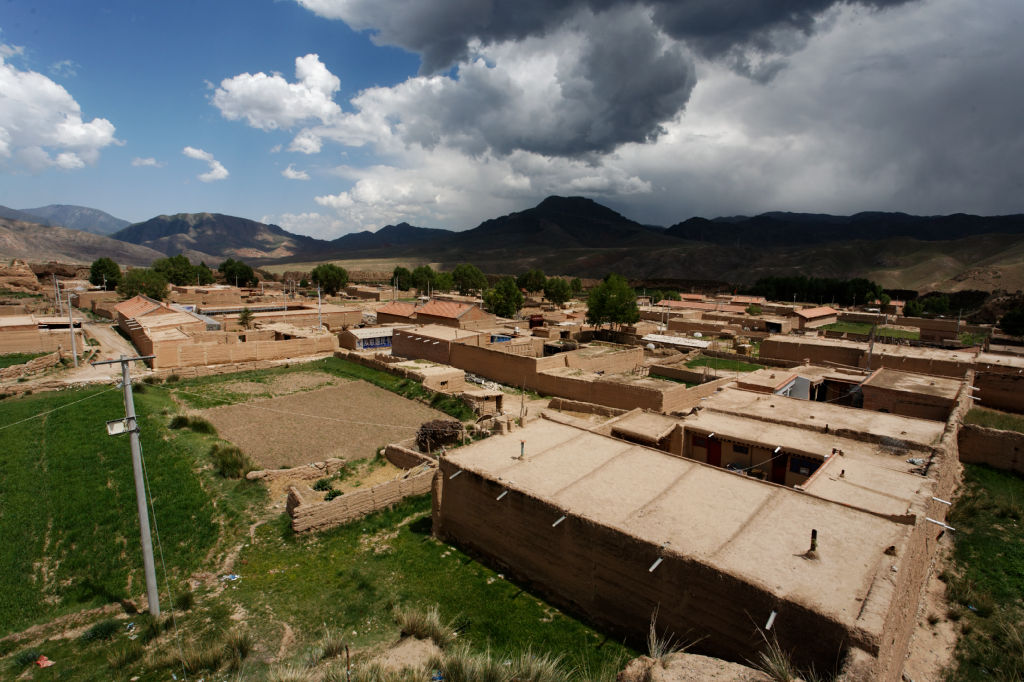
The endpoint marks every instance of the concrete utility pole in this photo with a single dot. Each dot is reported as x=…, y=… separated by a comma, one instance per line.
x=56, y=291
x=319, y=317
x=71, y=324
x=130, y=424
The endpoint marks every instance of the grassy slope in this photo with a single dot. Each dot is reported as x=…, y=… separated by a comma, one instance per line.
x=987, y=593
x=11, y=359
x=68, y=504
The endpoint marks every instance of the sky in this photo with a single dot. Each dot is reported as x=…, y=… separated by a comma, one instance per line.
x=333, y=116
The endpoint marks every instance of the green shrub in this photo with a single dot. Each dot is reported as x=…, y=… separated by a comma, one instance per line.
x=138, y=387
x=179, y=421
x=151, y=379
x=185, y=600
x=200, y=425
x=229, y=461
x=322, y=484
x=171, y=378
x=331, y=494
x=27, y=657
x=125, y=654
x=237, y=646
x=103, y=630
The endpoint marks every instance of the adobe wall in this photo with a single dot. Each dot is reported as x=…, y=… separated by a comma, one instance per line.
x=33, y=365
x=816, y=353
x=40, y=341
x=316, y=516
x=173, y=354
x=1000, y=391
x=678, y=372
x=684, y=399
x=907, y=404
x=586, y=408
x=406, y=458
x=939, y=366
x=603, y=573
x=998, y=449
x=617, y=362
x=870, y=318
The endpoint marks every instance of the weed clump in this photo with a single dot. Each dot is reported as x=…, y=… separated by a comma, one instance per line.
x=101, y=631
x=425, y=625
x=125, y=654
x=322, y=484
x=229, y=461
x=331, y=494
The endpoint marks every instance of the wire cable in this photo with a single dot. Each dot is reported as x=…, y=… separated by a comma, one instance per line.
x=59, y=407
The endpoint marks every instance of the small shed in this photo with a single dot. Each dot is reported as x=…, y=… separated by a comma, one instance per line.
x=366, y=338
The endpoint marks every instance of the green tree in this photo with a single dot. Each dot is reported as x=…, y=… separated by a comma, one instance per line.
x=576, y=286
x=443, y=281
x=145, y=281
x=1013, y=322
x=557, y=290
x=504, y=299
x=423, y=278
x=177, y=269
x=203, y=274
x=656, y=295
x=238, y=273
x=329, y=277
x=613, y=301
x=913, y=309
x=245, y=317
x=532, y=280
x=104, y=269
x=885, y=299
x=937, y=305
x=753, y=309
x=672, y=296
x=402, y=278
x=468, y=278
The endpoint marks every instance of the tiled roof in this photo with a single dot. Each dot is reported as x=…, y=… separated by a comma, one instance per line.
x=137, y=305
x=398, y=308
x=823, y=311
x=444, y=309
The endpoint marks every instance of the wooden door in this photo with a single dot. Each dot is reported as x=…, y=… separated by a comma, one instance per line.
x=715, y=452
x=779, y=468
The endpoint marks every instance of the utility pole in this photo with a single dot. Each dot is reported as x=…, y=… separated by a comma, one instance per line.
x=130, y=424
x=319, y=317
x=71, y=325
x=56, y=291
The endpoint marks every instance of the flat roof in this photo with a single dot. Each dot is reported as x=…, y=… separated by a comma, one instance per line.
x=750, y=529
x=1015, y=361
x=889, y=349
x=676, y=341
x=440, y=332
x=371, y=332
x=907, y=382
x=646, y=426
x=817, y=415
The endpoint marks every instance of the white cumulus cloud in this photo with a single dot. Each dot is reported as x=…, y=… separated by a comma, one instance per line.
x=41, y=124
x=294, y=174
x=270, y=102
x=147, y=161
x=217, y=170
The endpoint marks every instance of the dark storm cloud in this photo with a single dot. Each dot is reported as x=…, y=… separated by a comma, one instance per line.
x=441, y=30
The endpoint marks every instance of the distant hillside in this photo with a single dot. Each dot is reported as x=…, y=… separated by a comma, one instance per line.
x=77, y=218
x=795, y=229
x=35, y=242
x=214, y=237
x=391, y=236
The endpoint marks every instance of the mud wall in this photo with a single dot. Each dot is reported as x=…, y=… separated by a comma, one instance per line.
x=998, y=449
x=604, y=574
x=34, y=365
x=173, y=354
x=314, y=516
x=40, y=341
x=1000, y=391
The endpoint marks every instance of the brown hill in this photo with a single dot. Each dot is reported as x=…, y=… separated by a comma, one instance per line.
x=35, y=242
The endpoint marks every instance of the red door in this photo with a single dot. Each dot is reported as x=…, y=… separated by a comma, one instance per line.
x=779, y=468
x=714, y=452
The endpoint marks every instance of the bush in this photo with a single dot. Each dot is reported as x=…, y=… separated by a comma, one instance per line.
x=434, y=434
x=179, y=421
x=27, y=657
x=171, y=378
x=200, y=425
x=237, y=647
x=229, y=461
x=425, y=625
x=125, y=654
x=185, y=601
x=101, y=631
x=322, y=484
x=331, y=494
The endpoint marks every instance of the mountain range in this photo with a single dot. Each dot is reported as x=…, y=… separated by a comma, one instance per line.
x=65, y=215
x=578, y=236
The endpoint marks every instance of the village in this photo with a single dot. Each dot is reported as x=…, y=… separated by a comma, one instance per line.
x=740, y=471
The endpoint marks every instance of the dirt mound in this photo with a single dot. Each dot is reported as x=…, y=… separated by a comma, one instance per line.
x=18, y=276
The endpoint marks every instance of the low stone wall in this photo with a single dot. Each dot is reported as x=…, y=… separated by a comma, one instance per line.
x=407, y=458
x=192, y=372
x=314, y=516
x=998, y=449
x=34, y=365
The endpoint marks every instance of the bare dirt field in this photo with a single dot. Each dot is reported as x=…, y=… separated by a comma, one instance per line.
x=348, y=421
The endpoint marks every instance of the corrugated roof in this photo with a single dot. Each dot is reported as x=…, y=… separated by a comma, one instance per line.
x=371, y=332
x=822, y=311
x=398, y=308
x=448, y=309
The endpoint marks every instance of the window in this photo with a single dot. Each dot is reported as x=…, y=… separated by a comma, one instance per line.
x=740, y=449
x=803, y=466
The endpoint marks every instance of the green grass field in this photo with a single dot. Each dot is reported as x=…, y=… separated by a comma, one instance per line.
x=70, y=542
x=11, y=359
x=994, y=419
x=723, y=364
x=865, y=328
x=986, y=592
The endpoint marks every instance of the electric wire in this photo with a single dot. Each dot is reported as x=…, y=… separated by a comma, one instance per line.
x=59, y=407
